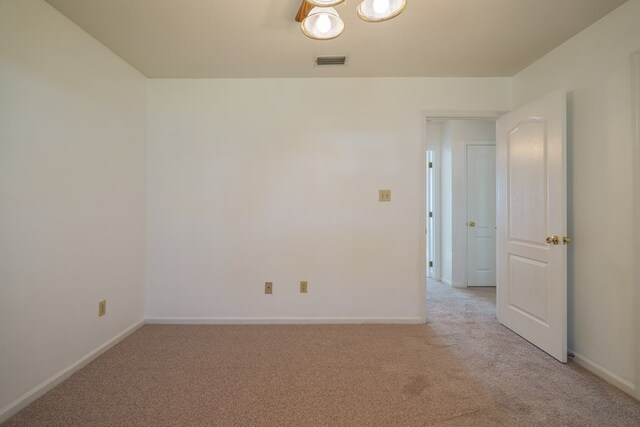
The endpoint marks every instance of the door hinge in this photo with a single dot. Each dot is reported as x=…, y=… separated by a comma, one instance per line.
x=430, y=263
x=430, y=165
x=430, y=214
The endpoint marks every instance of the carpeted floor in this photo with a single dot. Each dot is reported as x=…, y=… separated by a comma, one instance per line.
x=461, y=369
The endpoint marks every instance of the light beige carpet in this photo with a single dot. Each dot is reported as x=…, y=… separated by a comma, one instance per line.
x=462, y=368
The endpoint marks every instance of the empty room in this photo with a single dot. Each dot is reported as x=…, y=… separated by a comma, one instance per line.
x=319, y=212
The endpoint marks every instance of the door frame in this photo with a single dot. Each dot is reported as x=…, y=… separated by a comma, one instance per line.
x=635, y=82
x=426, y=116
x=435, y=232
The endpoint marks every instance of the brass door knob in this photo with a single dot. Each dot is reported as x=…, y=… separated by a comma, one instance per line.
x=553, y=240
x=471, y=224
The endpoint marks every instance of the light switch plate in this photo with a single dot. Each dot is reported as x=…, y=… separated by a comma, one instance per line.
x=384, y=195
x=102, y=308
x=304, y=287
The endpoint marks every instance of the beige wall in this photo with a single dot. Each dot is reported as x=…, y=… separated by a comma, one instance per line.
x=72, y=197
x=277, y=180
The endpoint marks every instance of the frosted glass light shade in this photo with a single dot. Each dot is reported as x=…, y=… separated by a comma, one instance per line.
x=380, y=10
x=322, y=23
x=325, y=3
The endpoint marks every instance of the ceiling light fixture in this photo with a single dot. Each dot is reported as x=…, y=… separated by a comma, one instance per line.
x=322, y=23
x=380, y=10
x=325, y=3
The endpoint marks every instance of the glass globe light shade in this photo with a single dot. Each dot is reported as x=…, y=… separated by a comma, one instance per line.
x=380, y=10
x=325, y=3
x=322, y=23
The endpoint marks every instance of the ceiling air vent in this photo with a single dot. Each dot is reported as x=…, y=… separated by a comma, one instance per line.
x=330, y=60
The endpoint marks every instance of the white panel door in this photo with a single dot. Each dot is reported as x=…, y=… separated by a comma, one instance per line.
x=531, y=254
x=481, y=215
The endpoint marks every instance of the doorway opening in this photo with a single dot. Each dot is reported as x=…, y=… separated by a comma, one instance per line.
x=460, y=215
x=531, y=234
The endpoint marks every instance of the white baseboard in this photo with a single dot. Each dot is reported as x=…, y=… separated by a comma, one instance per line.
x=602, y=372
x=39, y=390
x=281, y=320
x=453, y=285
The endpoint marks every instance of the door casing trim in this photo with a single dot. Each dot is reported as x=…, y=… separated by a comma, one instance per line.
x=635, y=82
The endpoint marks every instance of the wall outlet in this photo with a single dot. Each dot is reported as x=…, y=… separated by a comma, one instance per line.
x=384, y=195
x=102, y=308
x=304, y=287
x=268, y=288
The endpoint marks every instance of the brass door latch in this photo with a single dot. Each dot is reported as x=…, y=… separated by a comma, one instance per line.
x=555, y=240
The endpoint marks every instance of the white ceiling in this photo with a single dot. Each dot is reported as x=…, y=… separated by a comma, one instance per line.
x=259, y=38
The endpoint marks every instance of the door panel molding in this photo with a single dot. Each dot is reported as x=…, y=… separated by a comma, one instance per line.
x=519, y=166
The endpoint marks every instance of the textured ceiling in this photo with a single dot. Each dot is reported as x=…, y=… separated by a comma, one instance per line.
x=259, y=38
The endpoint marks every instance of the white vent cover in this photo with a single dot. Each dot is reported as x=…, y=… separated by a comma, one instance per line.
x=322, y=61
